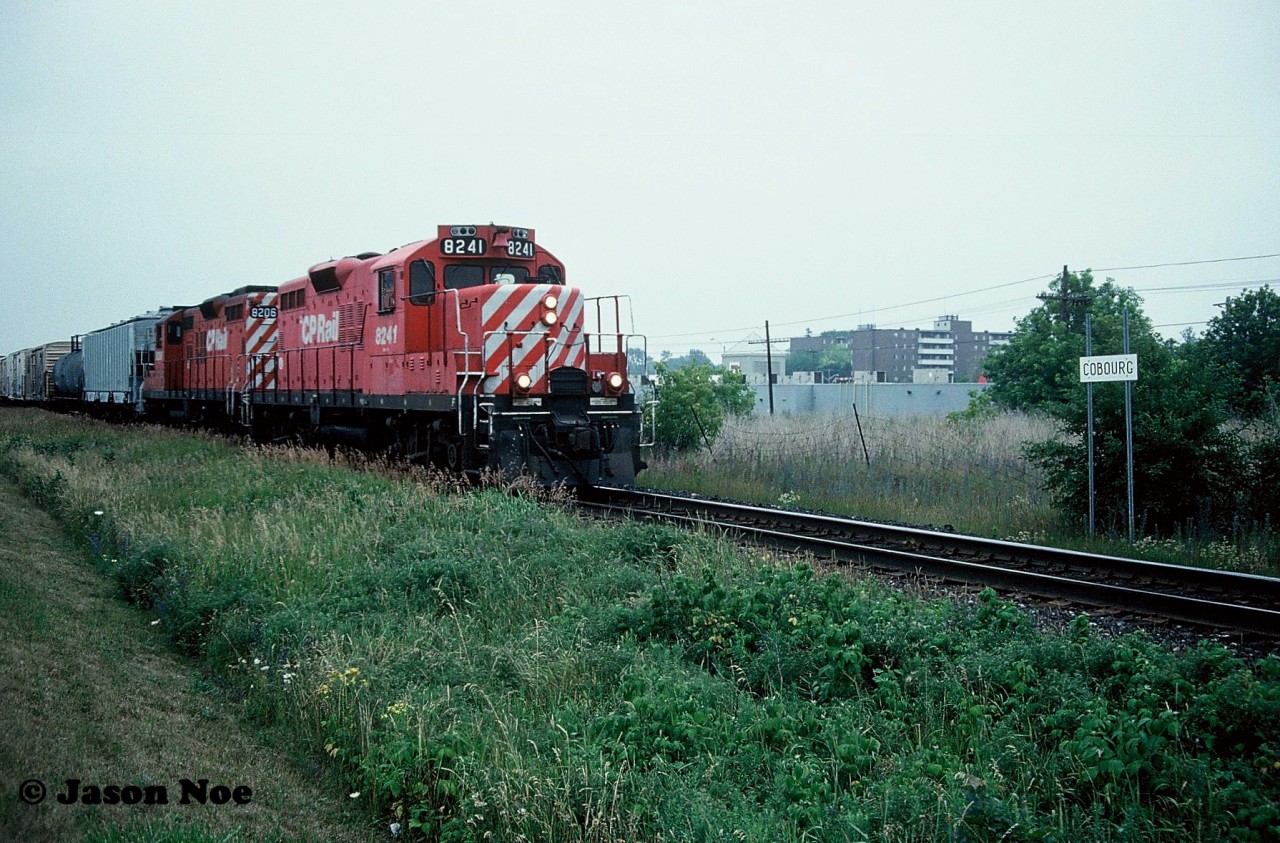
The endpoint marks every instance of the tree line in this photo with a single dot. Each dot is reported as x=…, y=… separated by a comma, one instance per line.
x=1205, y=420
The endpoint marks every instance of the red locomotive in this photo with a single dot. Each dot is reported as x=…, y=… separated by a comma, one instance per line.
x=467, y=350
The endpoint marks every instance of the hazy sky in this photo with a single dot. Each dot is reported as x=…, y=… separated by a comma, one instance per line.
x=818, y=165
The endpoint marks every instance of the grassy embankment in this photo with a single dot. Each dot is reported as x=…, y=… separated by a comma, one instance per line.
x=90, y=691
x=480, y=664
x=922, y=470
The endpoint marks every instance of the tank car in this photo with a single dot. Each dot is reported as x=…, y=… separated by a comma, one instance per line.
x=468, y=350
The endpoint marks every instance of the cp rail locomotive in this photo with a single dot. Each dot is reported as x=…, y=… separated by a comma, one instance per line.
x=468, y=351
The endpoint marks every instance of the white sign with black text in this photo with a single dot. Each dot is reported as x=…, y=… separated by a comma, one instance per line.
x=1110, y=367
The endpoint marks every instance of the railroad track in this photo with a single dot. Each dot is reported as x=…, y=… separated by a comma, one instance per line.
x=1217, y=599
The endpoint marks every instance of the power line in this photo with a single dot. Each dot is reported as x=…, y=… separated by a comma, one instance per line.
x=1214, y=285
x=1185, y=263
x=861, y=313
x=1180, y=324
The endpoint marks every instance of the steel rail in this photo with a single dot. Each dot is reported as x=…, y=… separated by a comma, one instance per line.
x=1243, y=602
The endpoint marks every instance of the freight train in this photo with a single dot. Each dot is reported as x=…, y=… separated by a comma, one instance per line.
x=468, y=351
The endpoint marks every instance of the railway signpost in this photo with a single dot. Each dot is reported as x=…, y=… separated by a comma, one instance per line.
x=1102, y=369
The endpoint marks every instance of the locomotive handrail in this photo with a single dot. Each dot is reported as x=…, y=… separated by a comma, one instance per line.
x=651, y=405
x=617, y=313
x=465, y=351
x=231, y=383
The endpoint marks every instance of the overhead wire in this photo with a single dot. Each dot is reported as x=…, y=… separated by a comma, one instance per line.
x=949, y=296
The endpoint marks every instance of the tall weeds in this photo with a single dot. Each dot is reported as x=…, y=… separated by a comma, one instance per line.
x=971, y=475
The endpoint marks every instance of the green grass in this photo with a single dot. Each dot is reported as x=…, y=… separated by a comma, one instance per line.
x=485, y=666
x=166, y=831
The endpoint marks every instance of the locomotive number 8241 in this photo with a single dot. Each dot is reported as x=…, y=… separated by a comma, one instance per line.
x=474, y=246
x=477, y=246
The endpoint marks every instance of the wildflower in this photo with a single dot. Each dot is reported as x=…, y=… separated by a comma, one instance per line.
x=355, y=795
x=98, y=512
x=156, y=621
x=395, y=829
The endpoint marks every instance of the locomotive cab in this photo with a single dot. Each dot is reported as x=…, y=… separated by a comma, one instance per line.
x=542, y=371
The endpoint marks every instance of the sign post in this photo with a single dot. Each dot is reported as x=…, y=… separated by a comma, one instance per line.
x=1128, y=418
x=1111, y=367
x=1088, y=350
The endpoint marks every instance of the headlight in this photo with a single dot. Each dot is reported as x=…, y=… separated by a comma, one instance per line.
x=550, y=301
x=615, y=381
x=550, y=318
x=523, y=381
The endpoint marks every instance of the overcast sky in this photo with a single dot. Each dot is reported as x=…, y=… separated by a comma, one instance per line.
x=816, y=164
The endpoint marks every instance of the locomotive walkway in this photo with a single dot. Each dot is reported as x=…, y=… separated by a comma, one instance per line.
x=1205, y=597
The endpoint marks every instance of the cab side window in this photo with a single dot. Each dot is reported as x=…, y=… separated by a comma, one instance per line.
x=387, y=290
x=422, y=282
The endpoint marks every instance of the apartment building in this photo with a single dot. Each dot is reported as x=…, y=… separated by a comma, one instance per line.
x=949, y=351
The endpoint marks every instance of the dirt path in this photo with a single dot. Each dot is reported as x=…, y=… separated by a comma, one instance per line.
x=89, y=691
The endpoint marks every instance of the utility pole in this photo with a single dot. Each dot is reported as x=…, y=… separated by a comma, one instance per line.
x=768, y=356
x=1064, y=296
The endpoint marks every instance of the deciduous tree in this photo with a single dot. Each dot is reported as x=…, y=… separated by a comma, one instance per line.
x=693, y=402
x=1244, y=343
x=1187, y=465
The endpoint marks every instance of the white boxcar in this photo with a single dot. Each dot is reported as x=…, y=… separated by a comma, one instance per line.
x=17, y=363
x=116, y=359
x=8, y=375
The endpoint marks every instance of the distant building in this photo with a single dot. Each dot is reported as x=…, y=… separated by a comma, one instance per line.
x=949, y=351
x=754, y=365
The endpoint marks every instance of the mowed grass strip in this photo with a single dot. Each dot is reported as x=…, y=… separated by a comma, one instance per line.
x=90, y=691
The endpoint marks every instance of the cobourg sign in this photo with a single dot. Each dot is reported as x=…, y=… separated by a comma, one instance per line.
x=1110, y=367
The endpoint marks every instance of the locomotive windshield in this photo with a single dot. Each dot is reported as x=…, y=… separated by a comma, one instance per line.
x=461, y=276
x=509, y=275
